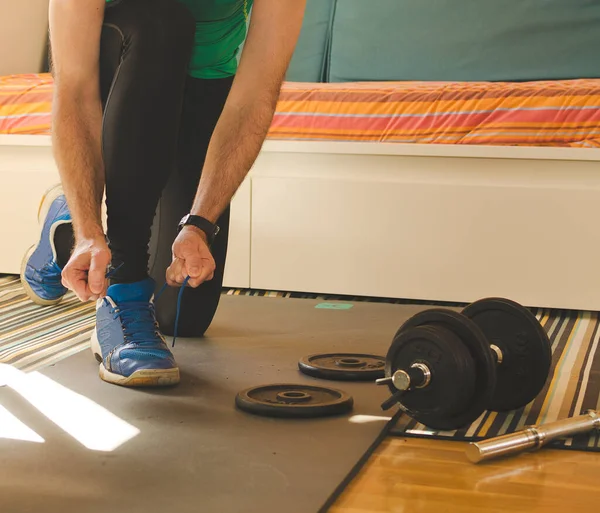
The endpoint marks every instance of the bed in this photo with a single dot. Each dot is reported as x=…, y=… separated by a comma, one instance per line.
x=443, y=191
x=563, y=113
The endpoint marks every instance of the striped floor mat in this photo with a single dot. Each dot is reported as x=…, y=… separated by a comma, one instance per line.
x=331, y=297
x=573, y=387
x=32, y=336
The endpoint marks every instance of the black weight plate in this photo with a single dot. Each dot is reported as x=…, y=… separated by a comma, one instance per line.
x=485, y=366
x=451, y=387
x=526, y=350
x=343, y=366
x=294, y=401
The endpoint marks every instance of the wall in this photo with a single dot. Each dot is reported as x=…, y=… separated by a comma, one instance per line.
x=23, y=34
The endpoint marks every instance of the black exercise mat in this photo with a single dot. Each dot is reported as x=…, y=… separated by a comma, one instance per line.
x=195, y=452
x=573, y=387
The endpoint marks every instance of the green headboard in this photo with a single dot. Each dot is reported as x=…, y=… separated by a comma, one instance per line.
x=310, y=58
x=465, y=40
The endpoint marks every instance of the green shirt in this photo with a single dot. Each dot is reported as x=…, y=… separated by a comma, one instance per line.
x=220, y=31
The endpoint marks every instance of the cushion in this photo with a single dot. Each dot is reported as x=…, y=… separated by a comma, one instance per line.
x=465, y=40
x=308, y=62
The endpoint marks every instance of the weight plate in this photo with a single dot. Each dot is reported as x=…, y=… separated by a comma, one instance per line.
x=452, y=382
x=343, y=366
x=485, y=366
x=294, y=401
x=526, y=350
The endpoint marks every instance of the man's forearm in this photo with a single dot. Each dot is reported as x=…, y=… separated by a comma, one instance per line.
x=240, y=133
x=234, y=147
x=77, y=148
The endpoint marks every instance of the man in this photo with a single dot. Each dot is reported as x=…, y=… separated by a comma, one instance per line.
x=152, y=107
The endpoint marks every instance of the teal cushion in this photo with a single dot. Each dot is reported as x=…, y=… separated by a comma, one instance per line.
x=308, y=62
x=465, y=40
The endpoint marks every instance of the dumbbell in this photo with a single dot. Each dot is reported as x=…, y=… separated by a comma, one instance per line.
x=446, y=368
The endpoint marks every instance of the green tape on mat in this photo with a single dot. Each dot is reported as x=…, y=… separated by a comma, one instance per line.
x=334, y=306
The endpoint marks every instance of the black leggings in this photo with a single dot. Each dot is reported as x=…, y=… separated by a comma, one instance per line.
x=157, y=124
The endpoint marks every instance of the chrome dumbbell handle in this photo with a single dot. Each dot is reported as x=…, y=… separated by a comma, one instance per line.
x=417, y=375
x=534, y=437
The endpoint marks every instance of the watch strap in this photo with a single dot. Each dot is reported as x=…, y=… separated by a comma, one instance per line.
x=210, y=229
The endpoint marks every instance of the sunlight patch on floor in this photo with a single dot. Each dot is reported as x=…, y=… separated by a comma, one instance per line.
x=12, y=428
x=89, y=423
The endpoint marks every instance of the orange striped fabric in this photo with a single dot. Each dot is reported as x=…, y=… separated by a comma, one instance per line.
x=547, y=113
x=550, y=113
x=25, y=104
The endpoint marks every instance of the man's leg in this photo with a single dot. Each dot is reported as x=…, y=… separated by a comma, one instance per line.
x=203, y=104
x=145, y=50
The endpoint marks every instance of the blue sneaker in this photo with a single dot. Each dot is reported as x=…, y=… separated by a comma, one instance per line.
x=127, y=342
x=40, y=271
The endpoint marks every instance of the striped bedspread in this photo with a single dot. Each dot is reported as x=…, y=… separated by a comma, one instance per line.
x=547, y=113
x=25, y=104
x=560, y=113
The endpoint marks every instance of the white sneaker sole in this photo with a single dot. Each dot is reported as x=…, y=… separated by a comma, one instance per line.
x=141, y=378
x=49, y=196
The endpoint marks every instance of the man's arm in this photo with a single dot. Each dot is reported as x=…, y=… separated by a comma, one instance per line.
x=75, y=28
x=77, y=111
x=240, y=133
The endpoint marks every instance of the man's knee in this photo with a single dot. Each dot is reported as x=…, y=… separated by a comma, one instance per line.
x=194, y=320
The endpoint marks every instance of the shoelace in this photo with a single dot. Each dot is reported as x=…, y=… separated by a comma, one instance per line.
x=164, y=287
x=178, y=310
x=137, y=318
x=111, y=273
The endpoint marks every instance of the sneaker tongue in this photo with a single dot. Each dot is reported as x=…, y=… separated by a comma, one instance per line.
x=138, y=291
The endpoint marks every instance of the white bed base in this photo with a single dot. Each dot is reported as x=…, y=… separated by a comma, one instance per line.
x=425, y=222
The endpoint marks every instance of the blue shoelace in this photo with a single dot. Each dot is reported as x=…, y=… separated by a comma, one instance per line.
x=112, y=272
x=138, y=320
x=178, y=310
x=164, y=287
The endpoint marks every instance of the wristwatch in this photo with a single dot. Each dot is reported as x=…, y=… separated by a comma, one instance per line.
x=211, y=230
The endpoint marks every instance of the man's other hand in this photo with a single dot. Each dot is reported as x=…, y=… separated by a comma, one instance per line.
x=191, y=257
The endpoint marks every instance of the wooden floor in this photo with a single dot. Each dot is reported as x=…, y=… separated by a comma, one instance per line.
x=417, y=475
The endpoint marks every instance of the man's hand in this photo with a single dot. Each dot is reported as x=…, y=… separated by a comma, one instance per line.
x=85, y=273
x=191, y=257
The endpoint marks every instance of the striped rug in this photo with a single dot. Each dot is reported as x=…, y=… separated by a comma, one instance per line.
x=332, y=297
x=573, y=387
x=32, y=336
